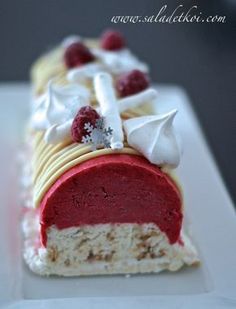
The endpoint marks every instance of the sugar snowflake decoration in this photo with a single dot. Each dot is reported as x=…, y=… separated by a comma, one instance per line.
x=98, y=135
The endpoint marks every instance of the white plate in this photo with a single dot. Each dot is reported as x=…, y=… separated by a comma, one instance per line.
x=209, y=210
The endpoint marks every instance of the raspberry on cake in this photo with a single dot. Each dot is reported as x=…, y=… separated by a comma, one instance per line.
x=131, y=83
x=112, y=40
x=85, y=115
x=103, y=193
x=77, y=54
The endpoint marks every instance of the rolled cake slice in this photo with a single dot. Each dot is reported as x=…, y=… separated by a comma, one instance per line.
x=103, y=195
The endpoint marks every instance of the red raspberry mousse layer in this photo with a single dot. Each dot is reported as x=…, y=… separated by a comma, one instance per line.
x=115, y=188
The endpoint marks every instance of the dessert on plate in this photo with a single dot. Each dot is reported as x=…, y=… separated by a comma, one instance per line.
x=101, y=196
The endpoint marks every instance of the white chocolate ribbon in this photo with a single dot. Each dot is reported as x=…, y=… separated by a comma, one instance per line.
x=138, y=99
x=85, y=72
x=109, y=108
x=118, y=62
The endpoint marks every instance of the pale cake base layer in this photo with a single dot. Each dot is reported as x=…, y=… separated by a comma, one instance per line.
x=103, y=249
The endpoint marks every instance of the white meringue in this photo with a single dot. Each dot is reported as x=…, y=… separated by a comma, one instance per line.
x=56, y=107
x=154, y=137
x=58, y=133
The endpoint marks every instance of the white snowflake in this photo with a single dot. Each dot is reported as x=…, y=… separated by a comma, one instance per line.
x=98, y=135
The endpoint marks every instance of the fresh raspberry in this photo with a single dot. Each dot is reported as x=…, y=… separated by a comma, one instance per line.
x=85, y=114
x=112, y=40
x=132, y=82
x=77, y=54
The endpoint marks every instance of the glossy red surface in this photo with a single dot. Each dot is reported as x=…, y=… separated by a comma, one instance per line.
x=115, y=188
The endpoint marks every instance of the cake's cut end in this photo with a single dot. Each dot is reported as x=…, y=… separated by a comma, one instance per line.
x=113, y=189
